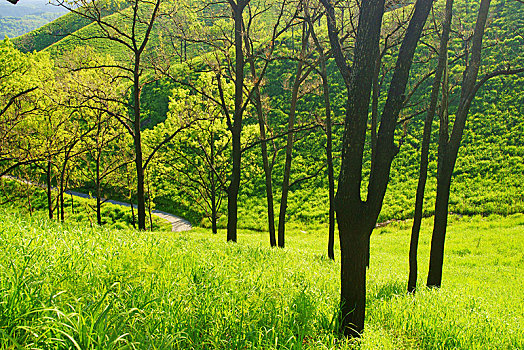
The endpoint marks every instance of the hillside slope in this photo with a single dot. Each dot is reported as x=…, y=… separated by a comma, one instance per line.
x=489, y=173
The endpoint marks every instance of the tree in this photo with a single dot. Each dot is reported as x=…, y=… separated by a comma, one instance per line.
x=129, y=28
x=424, y=155
x=21, y=75
x=356, y=217
x=102, y=138
x=449, y=144
x=196, y=161
x=227, y=57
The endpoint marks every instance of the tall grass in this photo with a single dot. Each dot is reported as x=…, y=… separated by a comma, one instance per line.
x=71, y=286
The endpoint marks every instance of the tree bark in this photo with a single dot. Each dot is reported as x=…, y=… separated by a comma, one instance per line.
x=137, y=139
x=448, y=150
x=98, y=192
x=265, y=161
x=213, y=186
x=299, y=77
x=48, y=185
x=236, y=128
x=424, y=155
x=329, y=142
x=289, y=157
x=356, y=218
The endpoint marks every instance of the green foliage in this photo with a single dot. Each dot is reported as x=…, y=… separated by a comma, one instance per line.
x=488, y=174
x=71, y=286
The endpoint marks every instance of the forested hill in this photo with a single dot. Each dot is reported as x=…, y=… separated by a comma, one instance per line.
x=489, y=174
x=26, y=16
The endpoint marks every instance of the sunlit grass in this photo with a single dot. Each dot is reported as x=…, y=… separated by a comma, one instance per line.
x=71, y=286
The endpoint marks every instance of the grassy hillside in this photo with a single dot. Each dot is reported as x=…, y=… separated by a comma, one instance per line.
x=57, y=30
x=489, y=172
x=71, y=286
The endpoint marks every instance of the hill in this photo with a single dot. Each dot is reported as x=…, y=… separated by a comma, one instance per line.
x=26, y=16
x=489, y=173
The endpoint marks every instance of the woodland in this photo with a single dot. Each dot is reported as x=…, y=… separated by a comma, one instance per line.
x=353, y=172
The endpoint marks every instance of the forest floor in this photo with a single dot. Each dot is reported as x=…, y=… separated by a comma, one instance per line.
x=86, y=287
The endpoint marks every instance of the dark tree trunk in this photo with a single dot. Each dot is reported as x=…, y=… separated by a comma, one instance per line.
x=149, y=205
x=299, y=77
x=424, y=155
x=213, y=186
x=448, y=150
x=289, y=157
x=232, y=193
x=329, y=140
x=49, y=196
x=98, y=192
x=265, y=162
x=356, y=218
x=61, y=189
x=354, y=261
x=236, y=127
x=137, y=139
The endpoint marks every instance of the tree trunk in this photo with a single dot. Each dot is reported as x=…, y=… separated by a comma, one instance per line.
x=329, y=160
x=149, y=204
x=356, y=218
x=424, y=155
x=213, y=186
x=98, y=192
x=236, y=128
x=49, y=196
x=265, y=162
x=354, y=244
x=290, y=140
x=234, y=186
x=448, y=150
x=138, y=150
x=329, y=139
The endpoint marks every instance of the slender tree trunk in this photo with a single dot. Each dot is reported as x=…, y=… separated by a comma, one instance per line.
x=137, y=138
x=265, y=162
x=329, y=160
x=329, y=139
x=448, y=150
x=98, y=192
x=236, y=128
x=213, y=187
x=424, y=155
x=289, y=145
x=49, y=196
x=149, y=204
x=29, y=203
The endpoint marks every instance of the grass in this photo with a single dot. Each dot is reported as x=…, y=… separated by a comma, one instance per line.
x=72, y=286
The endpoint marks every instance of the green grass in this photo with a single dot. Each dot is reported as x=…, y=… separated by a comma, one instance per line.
x=72, y=286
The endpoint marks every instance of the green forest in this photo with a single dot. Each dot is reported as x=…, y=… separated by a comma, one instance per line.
x=270, y=174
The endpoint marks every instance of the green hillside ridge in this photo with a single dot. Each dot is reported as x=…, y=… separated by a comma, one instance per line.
x=489, y=172
x=53, y=32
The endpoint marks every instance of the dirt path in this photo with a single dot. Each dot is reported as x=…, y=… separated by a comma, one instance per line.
x=177, y=223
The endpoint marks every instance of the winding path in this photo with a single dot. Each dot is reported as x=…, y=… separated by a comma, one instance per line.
x=177, y=223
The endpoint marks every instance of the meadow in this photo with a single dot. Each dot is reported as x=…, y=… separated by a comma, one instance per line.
x=88, y=287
